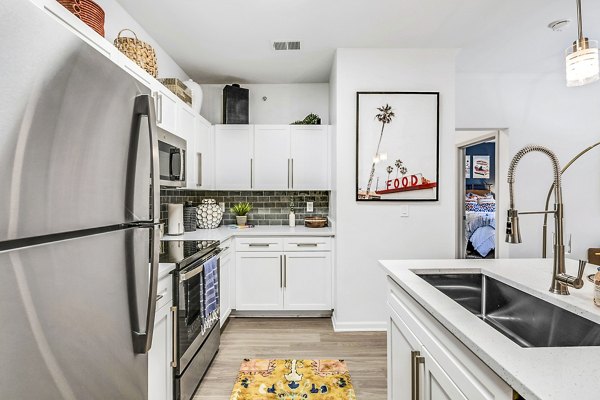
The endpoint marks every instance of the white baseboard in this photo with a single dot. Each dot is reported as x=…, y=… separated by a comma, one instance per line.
x=362, y=326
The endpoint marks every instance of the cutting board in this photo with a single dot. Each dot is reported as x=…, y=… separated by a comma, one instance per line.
x=594, y=256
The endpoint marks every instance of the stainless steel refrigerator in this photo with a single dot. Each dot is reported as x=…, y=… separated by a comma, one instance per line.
x=79, y=206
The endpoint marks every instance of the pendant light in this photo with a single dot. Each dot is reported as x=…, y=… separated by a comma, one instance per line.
x=582, y=58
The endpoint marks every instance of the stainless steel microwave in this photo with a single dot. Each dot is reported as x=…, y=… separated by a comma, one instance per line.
x=171, y=159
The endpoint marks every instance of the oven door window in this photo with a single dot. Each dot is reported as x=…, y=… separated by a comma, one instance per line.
x=191, y=309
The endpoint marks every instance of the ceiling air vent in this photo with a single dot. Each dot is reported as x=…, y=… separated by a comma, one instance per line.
x=293, y=45
x=278, y=46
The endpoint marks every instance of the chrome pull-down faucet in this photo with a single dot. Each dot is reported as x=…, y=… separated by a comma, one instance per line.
x=560, y=279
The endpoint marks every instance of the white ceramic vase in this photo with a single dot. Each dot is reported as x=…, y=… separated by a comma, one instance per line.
x=197, y=94
x=209, y=214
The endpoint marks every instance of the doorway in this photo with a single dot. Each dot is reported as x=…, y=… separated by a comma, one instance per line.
x=479, y=194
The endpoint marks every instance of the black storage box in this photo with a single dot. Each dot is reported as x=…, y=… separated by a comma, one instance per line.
x=235, y=105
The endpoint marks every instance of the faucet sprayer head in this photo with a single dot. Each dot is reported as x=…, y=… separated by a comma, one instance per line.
x=513, y=232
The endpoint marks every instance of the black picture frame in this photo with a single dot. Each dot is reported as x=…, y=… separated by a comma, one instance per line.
x=421, y=191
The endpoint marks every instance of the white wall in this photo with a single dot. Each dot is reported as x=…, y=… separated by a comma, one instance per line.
x=367, y=232
x=540, y=109
x=117, y=18
x=285, y=103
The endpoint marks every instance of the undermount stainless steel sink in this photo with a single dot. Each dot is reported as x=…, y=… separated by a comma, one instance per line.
x=521, y=317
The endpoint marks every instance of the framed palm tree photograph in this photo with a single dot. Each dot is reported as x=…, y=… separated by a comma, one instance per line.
x=397, y=146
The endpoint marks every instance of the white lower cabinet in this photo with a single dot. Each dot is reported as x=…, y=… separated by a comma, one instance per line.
x=437, y=385
x=426, y=362
x=307, y=280
x=259, y=277
x=160, y=373
x=268, y=279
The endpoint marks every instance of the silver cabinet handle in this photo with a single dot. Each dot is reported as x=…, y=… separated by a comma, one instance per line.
x=284, y=271
x=281, y=271
x=251, y=173
x=289, y=173
x=415, y=360
x=307, y=244
x=175, y=328
x=291, y=187
x=259, y=245
x=159, y=108
x=199, y=155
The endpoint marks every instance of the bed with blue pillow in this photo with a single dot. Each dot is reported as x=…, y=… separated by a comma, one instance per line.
x=480, y=222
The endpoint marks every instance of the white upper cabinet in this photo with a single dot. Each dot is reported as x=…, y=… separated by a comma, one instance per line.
x=166, y=108
x=186, y=122
x=204, y=156
x=271, y=157
x=233, y=157
x=310, y=157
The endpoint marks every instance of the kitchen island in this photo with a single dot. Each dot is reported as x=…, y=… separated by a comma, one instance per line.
x=463, y=357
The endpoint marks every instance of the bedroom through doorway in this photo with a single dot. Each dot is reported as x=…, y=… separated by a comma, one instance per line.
x=478, y=194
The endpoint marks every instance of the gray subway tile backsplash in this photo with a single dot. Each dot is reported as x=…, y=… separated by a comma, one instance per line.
x=270, y=207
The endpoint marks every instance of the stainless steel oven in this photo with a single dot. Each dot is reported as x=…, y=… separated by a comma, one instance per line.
x=197, y=327
x=172, y=153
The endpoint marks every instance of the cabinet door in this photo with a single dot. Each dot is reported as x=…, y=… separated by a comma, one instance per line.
x=436, y=383
x=307, y=281
x=401, y=345
x=233, y=157
x=225, y=286
x=166, y=109
x=259, y=281
x=186, y=129
x=160, y=373
x=310, y=157
x=271, y=157
x=204, y=154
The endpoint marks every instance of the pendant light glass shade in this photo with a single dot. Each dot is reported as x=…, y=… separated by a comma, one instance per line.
x=583, y=66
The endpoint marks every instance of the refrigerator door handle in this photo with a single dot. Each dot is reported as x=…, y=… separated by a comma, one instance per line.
x=144, y=107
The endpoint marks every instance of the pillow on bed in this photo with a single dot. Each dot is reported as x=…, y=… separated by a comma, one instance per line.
x=486, y=200
x=471, y=205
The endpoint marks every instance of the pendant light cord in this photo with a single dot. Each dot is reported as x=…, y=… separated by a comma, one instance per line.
x=579, y=23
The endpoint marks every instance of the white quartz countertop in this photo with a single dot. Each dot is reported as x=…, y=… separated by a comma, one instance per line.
x=165, y=269
x=225, y=232
x=536, y=373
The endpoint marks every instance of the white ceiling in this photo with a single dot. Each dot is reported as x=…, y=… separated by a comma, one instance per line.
x=217, y=41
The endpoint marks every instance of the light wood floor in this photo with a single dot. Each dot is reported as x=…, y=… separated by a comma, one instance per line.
x=306, y=338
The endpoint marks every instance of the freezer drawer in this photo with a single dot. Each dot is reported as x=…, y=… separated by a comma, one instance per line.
x=67, y=319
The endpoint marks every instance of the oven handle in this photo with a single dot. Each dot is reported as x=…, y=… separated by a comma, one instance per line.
x=190, y=274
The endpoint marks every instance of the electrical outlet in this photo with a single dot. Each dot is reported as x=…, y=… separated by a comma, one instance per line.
x=309, y=206
x=222, y=205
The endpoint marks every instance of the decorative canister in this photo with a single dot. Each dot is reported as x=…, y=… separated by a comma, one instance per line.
x=209, y=214
x=190, y=217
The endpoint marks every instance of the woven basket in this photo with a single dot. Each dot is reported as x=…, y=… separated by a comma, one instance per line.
x=87, y=11
x=138, y=51
x=178, y=88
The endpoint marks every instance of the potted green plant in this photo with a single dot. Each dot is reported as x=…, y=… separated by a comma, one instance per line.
x=241, y=210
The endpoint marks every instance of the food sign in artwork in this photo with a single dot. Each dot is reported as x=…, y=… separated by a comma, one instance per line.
x=397, y=146
x=481, y=167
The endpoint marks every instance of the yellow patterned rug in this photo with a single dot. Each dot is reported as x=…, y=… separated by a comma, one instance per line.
x=293, y=380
